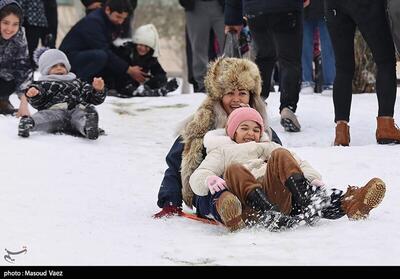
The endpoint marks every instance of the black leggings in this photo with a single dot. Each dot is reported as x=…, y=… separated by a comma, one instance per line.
x=370, y=17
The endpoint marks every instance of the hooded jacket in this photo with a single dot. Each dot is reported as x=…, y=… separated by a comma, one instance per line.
x=225, y=74
x=14, y=56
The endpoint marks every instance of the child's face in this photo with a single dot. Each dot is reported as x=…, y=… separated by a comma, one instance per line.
x=248, y=131
x=9, y=26
x=58, y=69
x=142, y=49
x=232, y=99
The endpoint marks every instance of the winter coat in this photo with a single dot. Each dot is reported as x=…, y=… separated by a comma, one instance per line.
x=314, y=11
x=65, y=94
x=222, y=152
x=189, y=5
x=34, y=12
x=95, y=31
x=14, y=57
x=393, y=7
x=236, y=9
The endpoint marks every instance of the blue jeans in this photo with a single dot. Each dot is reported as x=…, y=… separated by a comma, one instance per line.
x=328, y=57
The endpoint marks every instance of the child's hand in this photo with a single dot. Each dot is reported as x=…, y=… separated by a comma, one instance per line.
x=32, y=92
x=98, y=84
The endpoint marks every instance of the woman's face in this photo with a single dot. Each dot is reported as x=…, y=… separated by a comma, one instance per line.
x=248, y=131
x=9, y=26
x=233, y=99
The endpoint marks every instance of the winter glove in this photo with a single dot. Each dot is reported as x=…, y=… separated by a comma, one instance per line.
x=168, y=210
x=215, y=184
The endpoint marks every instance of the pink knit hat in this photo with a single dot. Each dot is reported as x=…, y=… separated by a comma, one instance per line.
x=240, y=115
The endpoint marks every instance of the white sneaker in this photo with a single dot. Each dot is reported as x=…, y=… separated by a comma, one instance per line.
x=307, y=90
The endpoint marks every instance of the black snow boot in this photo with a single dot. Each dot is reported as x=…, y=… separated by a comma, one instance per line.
x=257, y=200
x=92, y=123
x=25, y=124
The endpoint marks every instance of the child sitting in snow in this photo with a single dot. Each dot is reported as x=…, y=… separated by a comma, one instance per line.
x=142, y=53
x=62, y=100
x=261, y=176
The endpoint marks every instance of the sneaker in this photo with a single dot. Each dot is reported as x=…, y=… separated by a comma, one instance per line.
x=357, y=202
x=327, y=90
x=230, y=209
x=289, y=121
x=25, y=124
x=92, y=123
x=307, y=90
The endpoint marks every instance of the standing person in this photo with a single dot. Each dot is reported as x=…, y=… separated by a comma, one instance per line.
x=88, y=43
x=276, y=27
x=261, y=175
x=314, y=21
x=35, y=23
x=343, y=17
x=202, y=16
x=230, y=83
x=64, y=103
x=51, y=11
x=15, y=69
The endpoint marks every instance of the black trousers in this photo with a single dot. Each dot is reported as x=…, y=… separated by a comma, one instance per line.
x=369, y=16
x=6, y=89
x=279, y=37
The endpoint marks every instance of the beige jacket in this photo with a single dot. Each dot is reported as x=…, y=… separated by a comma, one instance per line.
x=222, y=152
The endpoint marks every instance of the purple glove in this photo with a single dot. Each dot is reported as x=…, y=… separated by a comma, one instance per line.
x=215, y=184
x=168, y=210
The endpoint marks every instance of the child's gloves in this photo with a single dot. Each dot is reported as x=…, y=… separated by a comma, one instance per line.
x=215, y=184
x=317, y=183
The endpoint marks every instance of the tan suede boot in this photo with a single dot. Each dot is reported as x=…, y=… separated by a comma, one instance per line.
x=342, y=134
x=387, y=131
x=230, y=209
x=358, y=202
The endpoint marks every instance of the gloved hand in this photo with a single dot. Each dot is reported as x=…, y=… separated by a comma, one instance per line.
x=215, y=184
x=317, y=183
x=168, y=210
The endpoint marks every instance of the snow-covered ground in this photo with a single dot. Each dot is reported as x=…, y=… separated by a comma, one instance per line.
x=71, y=201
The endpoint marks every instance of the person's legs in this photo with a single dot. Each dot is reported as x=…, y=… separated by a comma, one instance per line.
x=50, y=120
x=6, y=89
x=85, y=121
x=328, y=56
x=307, y=54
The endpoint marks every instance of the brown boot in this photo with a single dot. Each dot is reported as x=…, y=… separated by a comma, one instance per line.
x=230, y=209
x=358, y=202
x=6, y=107
x=387, y=131
x=342, y=134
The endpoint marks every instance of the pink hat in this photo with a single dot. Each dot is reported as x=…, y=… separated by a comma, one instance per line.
x=240, y=115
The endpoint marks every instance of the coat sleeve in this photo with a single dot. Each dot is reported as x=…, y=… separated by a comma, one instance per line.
x=39, y=101
x=213, y=164
x=92, y=96
x=170, y=192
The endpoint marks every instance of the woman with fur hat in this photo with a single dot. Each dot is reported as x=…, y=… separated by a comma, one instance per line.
x=262, y=176
x=64, y=102
x=230, y=83
x=142, y=54
x=14, y=58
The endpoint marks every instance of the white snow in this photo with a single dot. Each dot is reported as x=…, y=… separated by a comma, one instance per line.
x=71, y=201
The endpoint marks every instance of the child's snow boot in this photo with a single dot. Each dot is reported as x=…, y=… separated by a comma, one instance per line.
x=25, y=124
x=230, y=209
x=92, y=123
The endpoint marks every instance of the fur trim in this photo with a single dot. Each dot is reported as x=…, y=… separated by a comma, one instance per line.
x=226, y=74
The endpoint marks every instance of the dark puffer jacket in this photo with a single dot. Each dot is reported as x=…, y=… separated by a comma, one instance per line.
x=73, y=93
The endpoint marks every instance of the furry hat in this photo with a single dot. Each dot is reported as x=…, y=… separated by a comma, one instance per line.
x=227, y=74
x=224, y=74
x=51, y=57
x=147, y=35
x=240, y=115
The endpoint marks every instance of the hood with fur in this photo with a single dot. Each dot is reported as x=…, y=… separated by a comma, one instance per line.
x=224, y=74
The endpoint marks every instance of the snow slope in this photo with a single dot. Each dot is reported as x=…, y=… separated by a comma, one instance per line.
x=71, y=201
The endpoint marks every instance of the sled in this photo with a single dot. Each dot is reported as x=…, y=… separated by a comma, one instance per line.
x=193, y=216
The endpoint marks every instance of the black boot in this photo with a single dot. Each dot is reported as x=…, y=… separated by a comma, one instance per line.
x=92, y=123
x=25, y=124
x=257, y=200
x=6, y=107
x=307, y=201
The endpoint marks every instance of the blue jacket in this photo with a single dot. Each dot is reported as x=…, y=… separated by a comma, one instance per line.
x=170, y=192
x=94, y=31
x=236, y=9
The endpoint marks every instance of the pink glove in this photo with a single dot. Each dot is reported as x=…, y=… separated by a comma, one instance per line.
x=215, y=184
x=317, y=183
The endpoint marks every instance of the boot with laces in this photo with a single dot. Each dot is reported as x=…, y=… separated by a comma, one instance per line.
x=230, y=209
x=357, y=202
